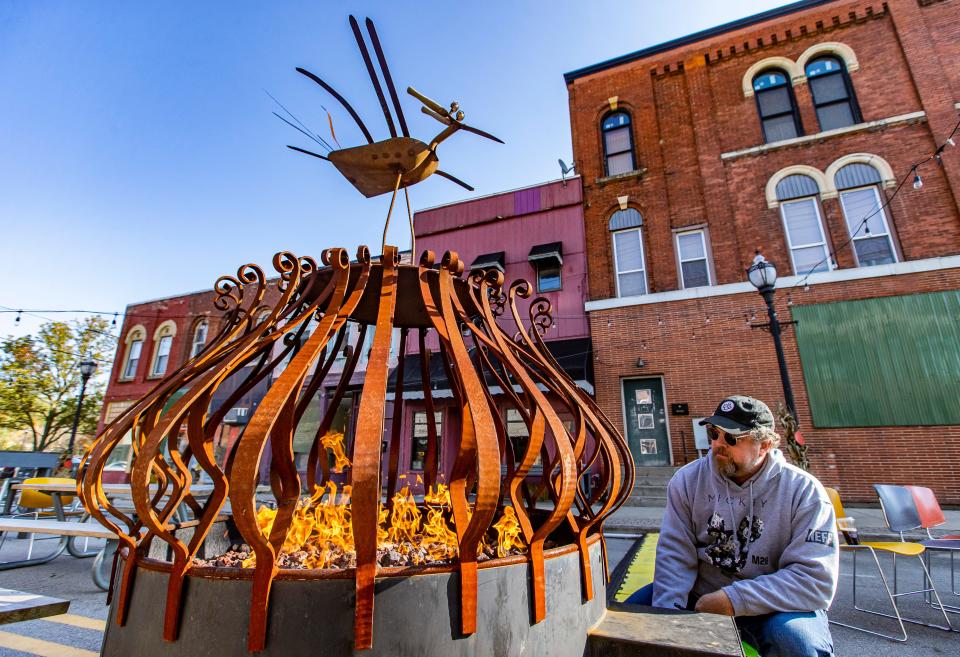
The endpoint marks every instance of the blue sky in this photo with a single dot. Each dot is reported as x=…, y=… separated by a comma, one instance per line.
x=139, y=158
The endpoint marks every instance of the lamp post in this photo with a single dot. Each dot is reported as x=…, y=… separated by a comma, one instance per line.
x=87, y=368
x=763, y=275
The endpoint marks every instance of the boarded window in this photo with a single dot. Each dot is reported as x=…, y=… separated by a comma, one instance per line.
x=893, y=361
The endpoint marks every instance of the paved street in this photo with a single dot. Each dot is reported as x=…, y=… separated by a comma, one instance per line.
x=78, y=633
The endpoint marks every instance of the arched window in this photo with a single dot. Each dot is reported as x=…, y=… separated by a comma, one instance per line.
x=628, y=259
x=832, y=93
x=199, y=338
x=162, y=342
x=800, y=209
x=134, y=341
x=862, y=203
x=776, y=105
x=618, y=143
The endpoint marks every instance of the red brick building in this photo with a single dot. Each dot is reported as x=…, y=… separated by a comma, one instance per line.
x=788, y=131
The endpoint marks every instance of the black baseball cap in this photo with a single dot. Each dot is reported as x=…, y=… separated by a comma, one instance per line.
x=739, y=414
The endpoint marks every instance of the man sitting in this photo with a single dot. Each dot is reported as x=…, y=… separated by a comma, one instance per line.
x=748, y=535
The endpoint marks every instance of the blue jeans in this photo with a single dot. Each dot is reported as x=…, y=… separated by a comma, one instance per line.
x=781, y=634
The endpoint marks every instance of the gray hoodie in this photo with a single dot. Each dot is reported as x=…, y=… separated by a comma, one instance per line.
x=770, y=544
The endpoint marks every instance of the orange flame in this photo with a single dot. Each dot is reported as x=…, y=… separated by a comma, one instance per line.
x=334, y=442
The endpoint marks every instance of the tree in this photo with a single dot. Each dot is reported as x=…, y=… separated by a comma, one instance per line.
x=40, y=380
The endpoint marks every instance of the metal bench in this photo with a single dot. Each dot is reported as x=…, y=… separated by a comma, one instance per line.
x=103, y=561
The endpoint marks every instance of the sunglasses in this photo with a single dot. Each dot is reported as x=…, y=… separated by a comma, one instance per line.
x=713, y=434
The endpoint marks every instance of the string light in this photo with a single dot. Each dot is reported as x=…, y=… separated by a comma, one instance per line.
x=917, y=180
x=16, y=322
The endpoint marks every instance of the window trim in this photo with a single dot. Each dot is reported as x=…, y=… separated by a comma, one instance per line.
x=616, y=265
x=707, y=255
x=166, y=329
x=851, y=98
x=794, y=109
x=203, y=323
x=823, y=233
x=603, y=142
x=137, y=334
x=883, y=215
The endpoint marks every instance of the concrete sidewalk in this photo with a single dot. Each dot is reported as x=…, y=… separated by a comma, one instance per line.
x=870, y=524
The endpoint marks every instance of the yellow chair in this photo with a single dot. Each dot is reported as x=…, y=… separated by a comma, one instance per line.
x=892, y=547
x=38, y=504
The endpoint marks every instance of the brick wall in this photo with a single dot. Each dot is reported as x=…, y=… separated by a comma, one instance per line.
x=688, y=107
x=695, y=133
x=701, y=362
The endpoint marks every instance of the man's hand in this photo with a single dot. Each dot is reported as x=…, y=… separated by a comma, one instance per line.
x=715, y=603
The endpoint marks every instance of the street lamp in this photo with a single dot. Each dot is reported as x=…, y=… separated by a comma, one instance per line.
x=763, y=276
x=87, y=368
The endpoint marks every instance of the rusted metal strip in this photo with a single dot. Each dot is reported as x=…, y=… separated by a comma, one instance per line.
x=366, y=455
x=397, y=421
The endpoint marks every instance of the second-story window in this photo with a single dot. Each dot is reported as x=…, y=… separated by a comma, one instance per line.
x=618, y=144
x=832, y=93
x=162, y=356
x=776, y=105
x=547, y=259
x=692, y=253
x=863, y=212
x=134, y=350
x=628, y=260
x=800, y=209
x=199, y=338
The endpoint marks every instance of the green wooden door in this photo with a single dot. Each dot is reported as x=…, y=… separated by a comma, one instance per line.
x=646, y=421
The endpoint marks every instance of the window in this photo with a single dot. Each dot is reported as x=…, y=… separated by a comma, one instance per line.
x=162, y=342
x=863, y=212
x=199, y=338
x=134, y=341
x=163, y=355
x=628, y=252
x=628, y=257
x=692, y=253
x=832, y=93
x=805, y=237
x=421, y=437
x=777, y=106
x=617, y=144
x=547, y=259
x=519, y=437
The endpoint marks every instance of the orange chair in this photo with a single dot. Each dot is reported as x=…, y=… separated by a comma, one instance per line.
x=895, y=548
x=931, y=515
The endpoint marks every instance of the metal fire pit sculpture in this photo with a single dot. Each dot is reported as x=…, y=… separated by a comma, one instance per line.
x=463, y=313
x=490, y=362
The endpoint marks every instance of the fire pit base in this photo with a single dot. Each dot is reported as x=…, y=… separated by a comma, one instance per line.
x=414, y=615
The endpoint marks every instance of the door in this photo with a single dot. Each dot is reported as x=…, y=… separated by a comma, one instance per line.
x=646, y=421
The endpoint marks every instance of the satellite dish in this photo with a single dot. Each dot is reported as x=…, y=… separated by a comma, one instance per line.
x=564, y=170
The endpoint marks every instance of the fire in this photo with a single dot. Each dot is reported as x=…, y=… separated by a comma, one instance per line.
x=508, y=532
x=321, y=532
x=334, y=442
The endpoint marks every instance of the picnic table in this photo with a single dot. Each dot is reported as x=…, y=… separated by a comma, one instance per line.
x=16, y=606
x=40, y=464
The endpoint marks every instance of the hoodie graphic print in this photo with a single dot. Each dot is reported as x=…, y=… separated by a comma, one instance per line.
x=769, y=544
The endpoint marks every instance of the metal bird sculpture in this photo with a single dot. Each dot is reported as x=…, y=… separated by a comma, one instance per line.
x=379, y=167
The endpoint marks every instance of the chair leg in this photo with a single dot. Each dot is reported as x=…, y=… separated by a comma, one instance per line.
x=890, y=595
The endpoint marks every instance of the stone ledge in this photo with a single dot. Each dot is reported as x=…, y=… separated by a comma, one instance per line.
x=827, y=134
x=639, y=631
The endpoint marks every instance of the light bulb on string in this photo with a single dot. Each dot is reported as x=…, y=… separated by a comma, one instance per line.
x=114, y=322
x=951, y=142
x=917, y=180
x=16, y=322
